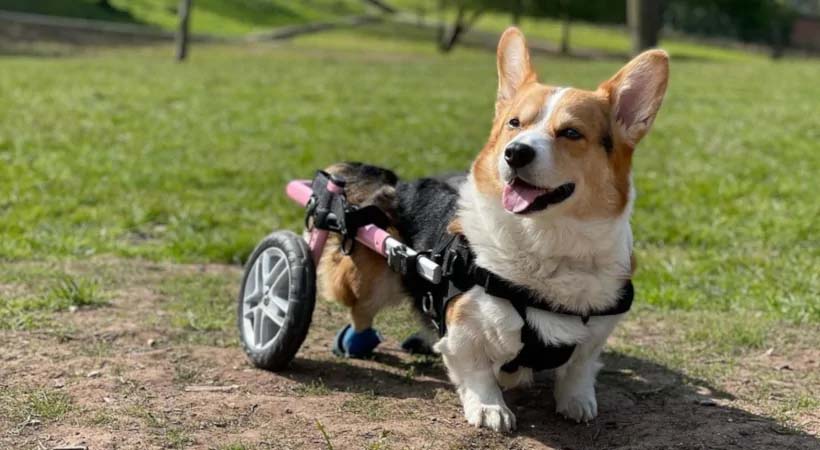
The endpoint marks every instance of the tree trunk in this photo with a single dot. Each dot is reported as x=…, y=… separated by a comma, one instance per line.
x=779, y=36
x=182, y=33
x=644, y=20
x=447, y=40
x=565, y=24
x=517, y=11
x=450, y=37
x=442, y=23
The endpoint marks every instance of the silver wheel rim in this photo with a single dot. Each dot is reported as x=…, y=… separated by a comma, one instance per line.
x=265, y=299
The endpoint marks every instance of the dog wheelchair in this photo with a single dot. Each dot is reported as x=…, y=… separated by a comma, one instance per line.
x=278, y=291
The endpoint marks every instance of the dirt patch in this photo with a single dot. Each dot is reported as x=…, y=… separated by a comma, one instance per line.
x=134, y=381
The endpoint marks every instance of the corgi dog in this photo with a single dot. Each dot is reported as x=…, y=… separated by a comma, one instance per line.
x=545, y=206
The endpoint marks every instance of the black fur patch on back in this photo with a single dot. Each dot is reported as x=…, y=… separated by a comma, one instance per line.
x=420, y=210
x=356, y=172
x=425, y=209
x=368, y=185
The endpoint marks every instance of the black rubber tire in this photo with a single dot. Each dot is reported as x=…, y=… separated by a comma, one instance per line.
x=301, y=297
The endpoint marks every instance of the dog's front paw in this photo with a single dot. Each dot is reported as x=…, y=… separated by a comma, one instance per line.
x=580, y=406
x=494, y=417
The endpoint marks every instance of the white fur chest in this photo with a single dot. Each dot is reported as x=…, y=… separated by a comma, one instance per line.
x=580, y=265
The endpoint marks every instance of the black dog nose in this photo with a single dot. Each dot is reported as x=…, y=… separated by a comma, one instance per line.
x=519, y=155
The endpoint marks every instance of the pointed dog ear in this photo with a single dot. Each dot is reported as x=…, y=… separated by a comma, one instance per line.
x=636, y=93
x=514, y=69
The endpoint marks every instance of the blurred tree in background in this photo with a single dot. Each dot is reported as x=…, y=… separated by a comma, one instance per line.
x=644, y=20
x=466, y=14
x=468, y=11
x=752, y=21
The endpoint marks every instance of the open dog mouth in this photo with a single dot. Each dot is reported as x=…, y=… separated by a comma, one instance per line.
x=520, y=197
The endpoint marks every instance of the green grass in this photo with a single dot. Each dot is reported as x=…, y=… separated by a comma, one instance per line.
x=208, y=16
x=312, y=389
x=365, y=404
x=201, y=302
x=29, y=305
x=41, y=404
x=69, y=292
x=128, y=154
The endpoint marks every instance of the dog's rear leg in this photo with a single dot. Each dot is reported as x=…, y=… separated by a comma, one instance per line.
x=362, y=282
x=483, y=332
x=421, y=342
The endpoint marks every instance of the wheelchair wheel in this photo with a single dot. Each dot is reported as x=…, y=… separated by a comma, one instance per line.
x=276, y=300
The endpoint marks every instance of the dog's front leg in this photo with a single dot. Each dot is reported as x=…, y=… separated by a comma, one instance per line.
x=575, y=380
x=482, y=333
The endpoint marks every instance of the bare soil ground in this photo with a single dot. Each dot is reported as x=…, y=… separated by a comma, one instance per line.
x=128, y=375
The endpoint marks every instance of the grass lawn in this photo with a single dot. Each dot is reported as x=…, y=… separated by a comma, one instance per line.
x=127, y=157
x=141, y=157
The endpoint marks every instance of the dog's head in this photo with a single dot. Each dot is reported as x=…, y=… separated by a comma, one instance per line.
x=563, y=149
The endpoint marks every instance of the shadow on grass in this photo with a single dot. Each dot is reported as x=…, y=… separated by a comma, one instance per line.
x=338, y=374
x=73, y=9
x=641, y=405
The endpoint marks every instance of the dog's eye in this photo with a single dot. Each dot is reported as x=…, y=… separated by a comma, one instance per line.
x=570, y=133
x=514, y=123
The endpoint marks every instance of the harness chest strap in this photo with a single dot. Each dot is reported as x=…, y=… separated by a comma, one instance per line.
x=462, y=274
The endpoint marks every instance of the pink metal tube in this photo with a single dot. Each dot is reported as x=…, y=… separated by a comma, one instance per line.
x=299, y=191
x=318, y=238
x=371, y=236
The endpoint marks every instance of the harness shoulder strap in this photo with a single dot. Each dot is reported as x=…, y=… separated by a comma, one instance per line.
x=460, y=273
x=523, y=298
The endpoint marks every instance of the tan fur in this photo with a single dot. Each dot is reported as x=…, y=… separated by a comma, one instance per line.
x=455, y=311
x=360, y=281
x=455, y=227
x=606, y=175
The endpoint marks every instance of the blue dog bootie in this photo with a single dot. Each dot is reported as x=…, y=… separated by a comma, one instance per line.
x=350, y=344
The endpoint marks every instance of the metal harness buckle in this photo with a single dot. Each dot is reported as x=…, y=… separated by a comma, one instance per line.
x=427, y=304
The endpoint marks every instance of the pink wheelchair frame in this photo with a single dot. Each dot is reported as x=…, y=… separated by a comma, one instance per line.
x=371, y=236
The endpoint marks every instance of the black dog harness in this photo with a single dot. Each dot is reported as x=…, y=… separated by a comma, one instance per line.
x=460, y=273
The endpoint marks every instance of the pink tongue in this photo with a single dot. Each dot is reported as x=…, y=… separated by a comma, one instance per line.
x=518, y=196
